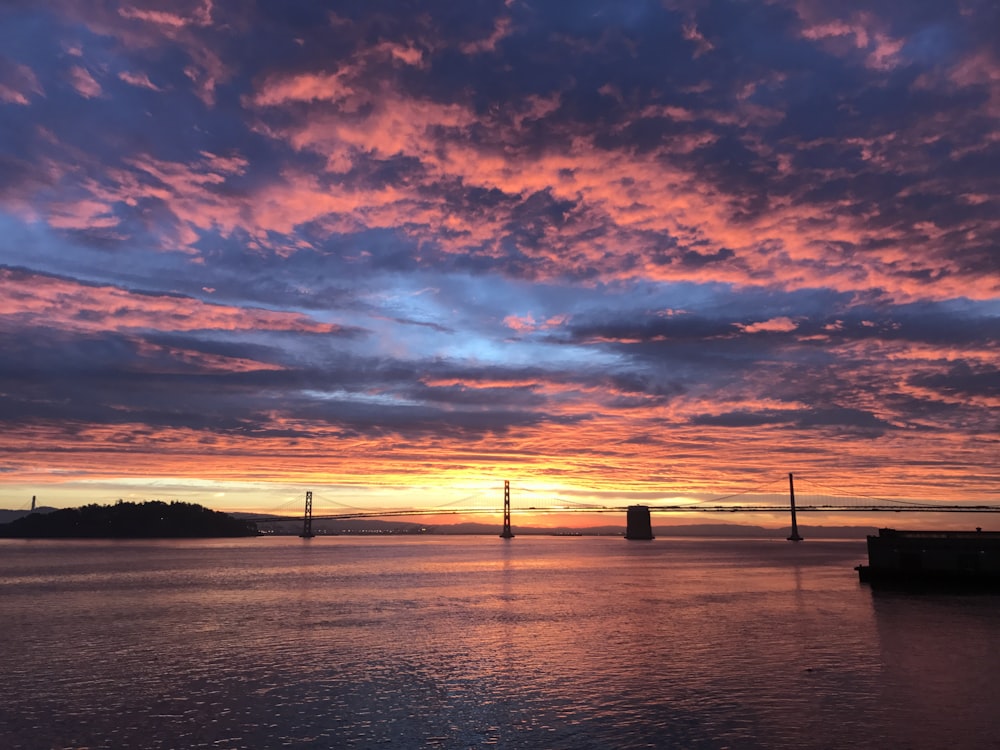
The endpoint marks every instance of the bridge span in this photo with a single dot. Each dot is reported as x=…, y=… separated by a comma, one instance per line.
x=638, y=516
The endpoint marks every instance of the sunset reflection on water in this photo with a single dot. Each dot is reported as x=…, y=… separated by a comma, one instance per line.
x=475, y=641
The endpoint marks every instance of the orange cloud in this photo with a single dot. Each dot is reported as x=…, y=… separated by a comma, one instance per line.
x=775, y=325
x=49, y=301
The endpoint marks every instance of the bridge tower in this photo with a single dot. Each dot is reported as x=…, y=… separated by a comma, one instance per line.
x=506, y=533
x=307, y=518
x=794, y=536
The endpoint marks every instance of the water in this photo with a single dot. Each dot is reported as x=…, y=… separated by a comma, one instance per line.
x=465, y=642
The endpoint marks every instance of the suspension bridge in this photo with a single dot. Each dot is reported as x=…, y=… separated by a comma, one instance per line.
x=818, y=500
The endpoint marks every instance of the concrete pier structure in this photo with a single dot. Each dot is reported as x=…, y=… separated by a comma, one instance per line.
x=639, y=525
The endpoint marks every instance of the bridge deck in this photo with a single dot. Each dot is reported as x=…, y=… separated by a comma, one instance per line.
x=415, y=512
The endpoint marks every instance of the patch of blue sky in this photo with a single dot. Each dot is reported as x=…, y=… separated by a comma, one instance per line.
x=359, y=397
x=933, y=45
x=469, y=318
x=35, y=246
x=980, y=308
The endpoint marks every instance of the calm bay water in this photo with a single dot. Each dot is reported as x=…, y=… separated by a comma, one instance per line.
x=466, y=642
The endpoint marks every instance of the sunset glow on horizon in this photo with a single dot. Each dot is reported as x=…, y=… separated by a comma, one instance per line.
x=654, y=252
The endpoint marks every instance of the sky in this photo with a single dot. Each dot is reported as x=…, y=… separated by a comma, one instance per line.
x=399, y=252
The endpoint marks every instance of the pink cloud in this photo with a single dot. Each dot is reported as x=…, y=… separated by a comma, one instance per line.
x=980, y=68
x=84, y=83
x=692, y=34
x=149, y=30
x=520, y=323
x=774, y=325
x=835, y=28
x=528, y=324
x=619, y=199
x=10, y=95
x=861, y=32
x=404, y=53
x=381, y=122
x=161, y=18
x=84, y=214
x=232, y=164
x=18, y=83
x=885, y=53
x=200, y=15
x=139, y=80
x=52, y=302
x=622, y=195
x=304, y=87
x=501, y=30
x=191, y=192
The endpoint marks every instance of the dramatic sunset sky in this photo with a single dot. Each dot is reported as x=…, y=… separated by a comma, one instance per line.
x=398, y=252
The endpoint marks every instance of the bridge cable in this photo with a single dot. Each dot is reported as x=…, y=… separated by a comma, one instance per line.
x=917, y=503
x=740, y=494
x=335, y=503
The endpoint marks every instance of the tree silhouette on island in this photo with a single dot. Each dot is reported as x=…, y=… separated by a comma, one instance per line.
x=126, y=520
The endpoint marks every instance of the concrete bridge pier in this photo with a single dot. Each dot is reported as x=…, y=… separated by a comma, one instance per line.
x=639, y=525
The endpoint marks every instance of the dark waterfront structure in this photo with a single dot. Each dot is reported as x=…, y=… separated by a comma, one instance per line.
x=639, y=526
x=948, y=559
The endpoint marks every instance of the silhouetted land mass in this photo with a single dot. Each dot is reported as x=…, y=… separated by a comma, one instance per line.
x=124, y=520
x=6, y=516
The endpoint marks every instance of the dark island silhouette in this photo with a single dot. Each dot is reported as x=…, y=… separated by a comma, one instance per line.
x=126, y=520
